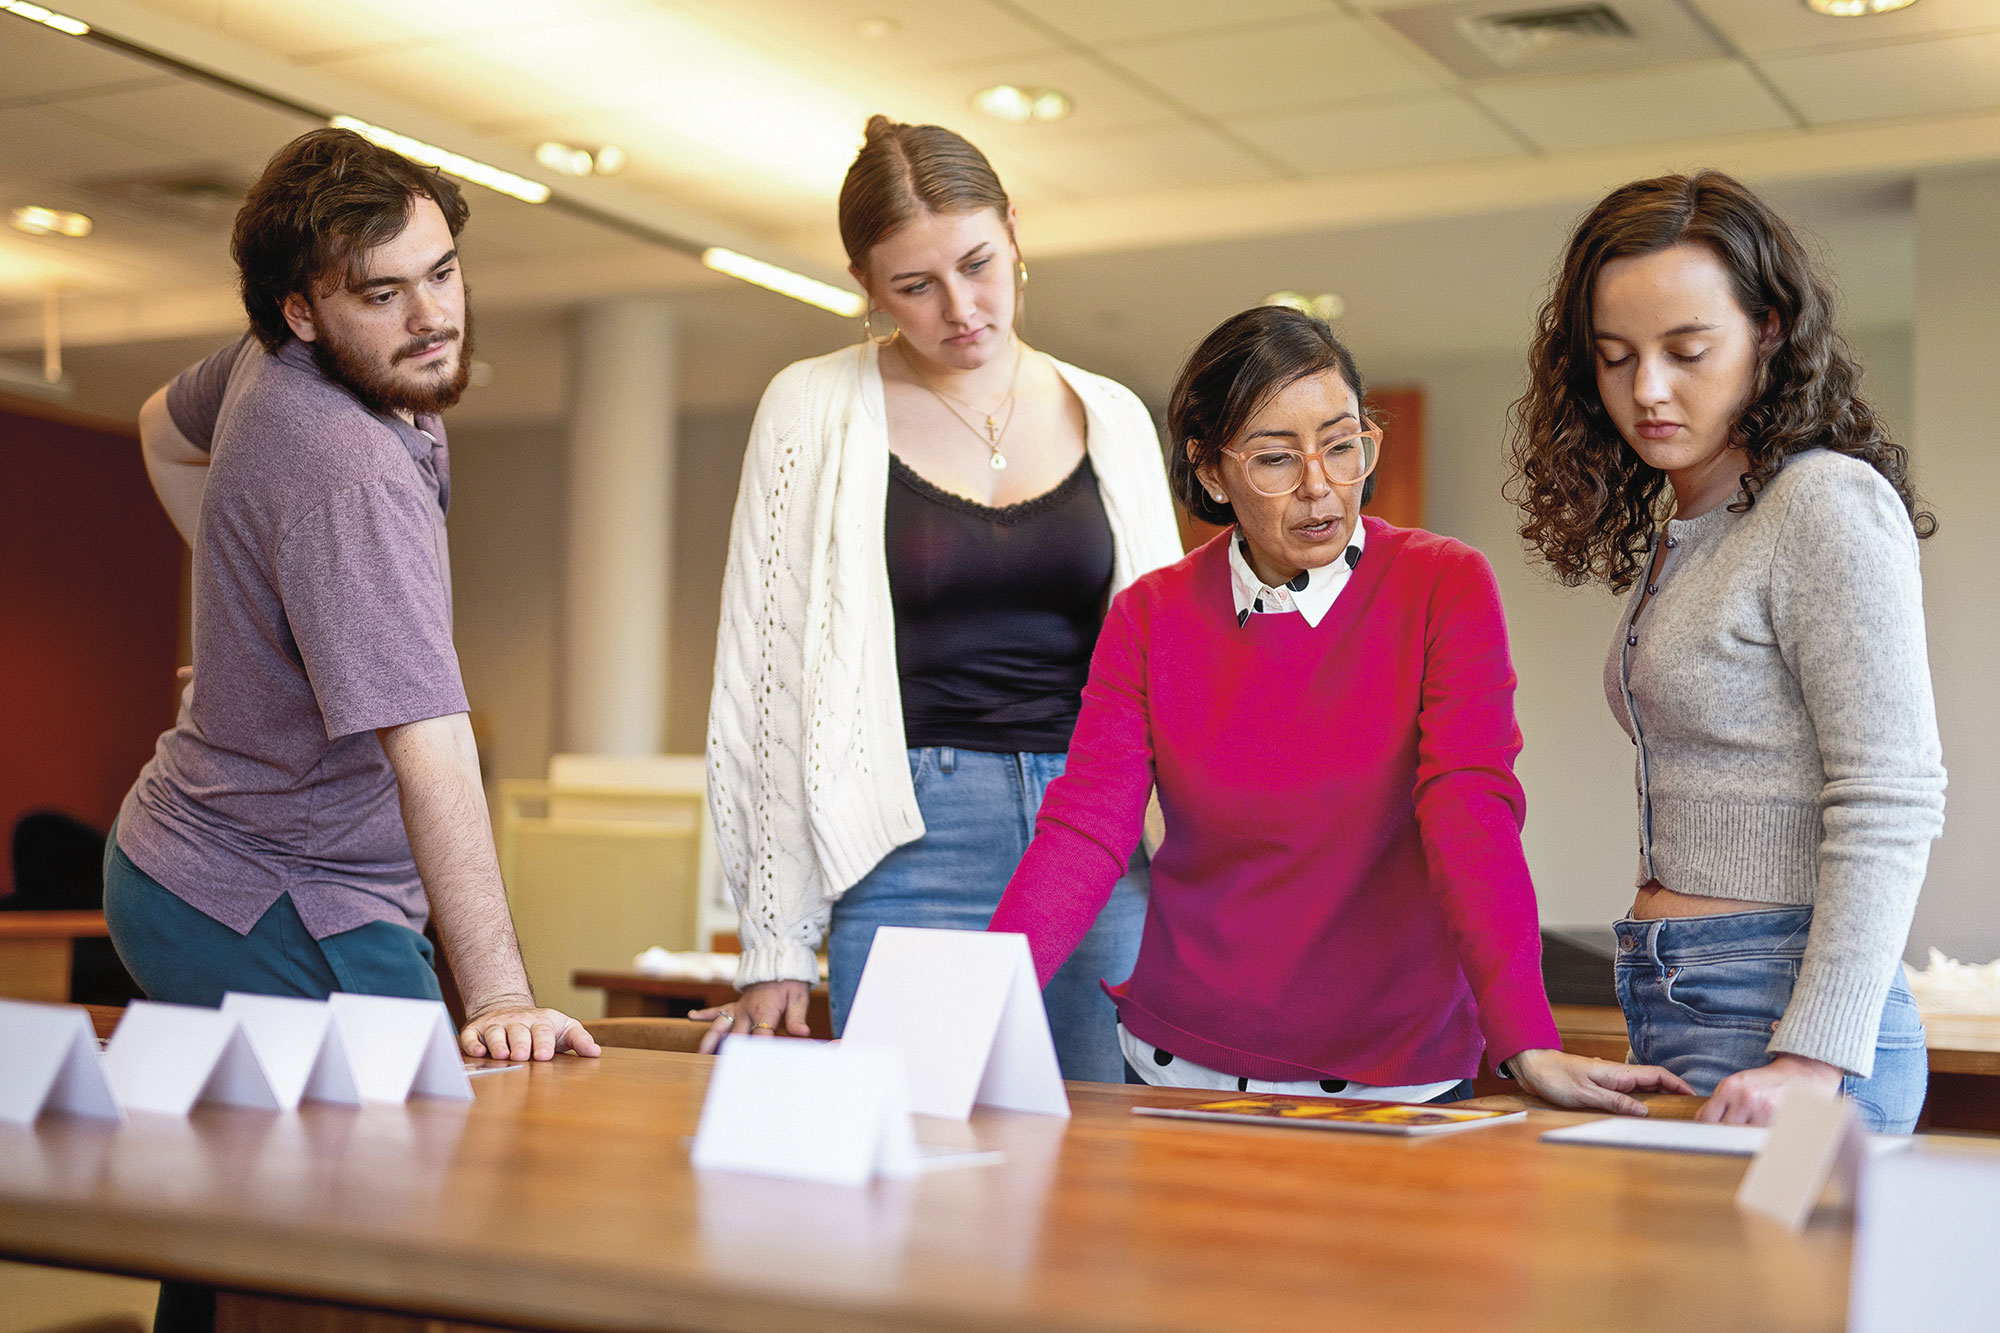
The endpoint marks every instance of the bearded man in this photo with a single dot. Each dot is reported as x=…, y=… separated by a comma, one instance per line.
x=319, y=796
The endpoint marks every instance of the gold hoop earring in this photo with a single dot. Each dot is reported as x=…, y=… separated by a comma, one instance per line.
x=868, y=329
x=1020, y=275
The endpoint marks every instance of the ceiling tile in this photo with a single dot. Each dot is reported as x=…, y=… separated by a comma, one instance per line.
x=1906, y=79
x=1405, y=132
x=46, y=143
x=1764, y=28
x=195, y=123
x=1711, y=97
x=37, y=63
x=825, y=37
x=1286, y=65
x=1137, y=20
x=1145, y=161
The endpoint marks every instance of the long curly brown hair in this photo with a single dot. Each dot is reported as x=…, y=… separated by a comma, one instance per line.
x=1591, y=503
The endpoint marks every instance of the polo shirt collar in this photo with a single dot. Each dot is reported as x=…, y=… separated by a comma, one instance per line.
x=420, y=440
x=1311, y=594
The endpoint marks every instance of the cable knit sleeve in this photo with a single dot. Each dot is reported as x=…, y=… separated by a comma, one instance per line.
x=1847, y=607
x=756, y=718
x=1470, y=807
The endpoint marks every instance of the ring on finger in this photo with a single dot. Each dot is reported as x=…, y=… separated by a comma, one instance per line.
x=725, y=1017
x=762, y=1027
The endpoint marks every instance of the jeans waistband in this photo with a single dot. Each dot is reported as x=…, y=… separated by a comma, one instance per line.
x=1681, y=939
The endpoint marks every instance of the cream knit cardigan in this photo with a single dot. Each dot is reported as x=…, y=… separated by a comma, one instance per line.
x=808, y=780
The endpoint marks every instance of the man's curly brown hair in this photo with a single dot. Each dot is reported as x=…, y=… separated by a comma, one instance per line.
x=1591, y=502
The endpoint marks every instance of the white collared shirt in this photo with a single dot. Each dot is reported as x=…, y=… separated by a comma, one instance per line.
x=1311, y=594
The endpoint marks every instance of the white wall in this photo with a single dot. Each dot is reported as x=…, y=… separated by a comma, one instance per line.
x=1958, y=469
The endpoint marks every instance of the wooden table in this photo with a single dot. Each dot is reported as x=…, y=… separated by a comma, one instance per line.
x=563, y=1199
x=36, y=949
x=643, y=995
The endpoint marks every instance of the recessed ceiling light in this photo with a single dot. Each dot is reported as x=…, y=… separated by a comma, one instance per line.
x=39, y=221
x=1324, y=306
x=878, y=28
x=606, y=161
x=47, y=17
x=1017, y=105
x=1855, y=9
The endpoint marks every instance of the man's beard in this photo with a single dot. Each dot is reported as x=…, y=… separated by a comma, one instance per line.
x=380, y=390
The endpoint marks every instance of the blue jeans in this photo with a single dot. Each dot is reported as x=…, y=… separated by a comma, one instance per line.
x=181, y=955
x=1702, y=995
x=979, y=815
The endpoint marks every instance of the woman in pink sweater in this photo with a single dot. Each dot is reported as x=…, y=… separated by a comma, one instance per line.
x=1326, y=705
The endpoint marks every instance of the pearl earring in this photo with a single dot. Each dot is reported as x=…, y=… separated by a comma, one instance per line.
x=1220, y=496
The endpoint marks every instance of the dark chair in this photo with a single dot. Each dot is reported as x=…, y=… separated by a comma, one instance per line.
x=59, y=867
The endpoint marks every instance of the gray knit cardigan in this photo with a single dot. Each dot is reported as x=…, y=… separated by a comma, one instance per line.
x=1778, y=690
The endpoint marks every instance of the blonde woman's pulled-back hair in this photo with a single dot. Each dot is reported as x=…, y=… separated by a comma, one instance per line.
x=903, y=171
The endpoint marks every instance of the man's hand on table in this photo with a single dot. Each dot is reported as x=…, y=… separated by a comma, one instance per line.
x=1583, y=1084
x=763, y=1010
x=515, y=1030
x=1750, y=1096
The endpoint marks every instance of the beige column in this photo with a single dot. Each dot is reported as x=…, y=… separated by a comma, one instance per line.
x=1955, y=443
x=623, y=402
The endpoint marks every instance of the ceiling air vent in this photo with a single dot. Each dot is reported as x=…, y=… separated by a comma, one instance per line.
x=1492, y=39
x=1511, y=38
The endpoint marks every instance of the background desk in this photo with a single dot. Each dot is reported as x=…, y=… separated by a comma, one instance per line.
x=643, y=995
x=563, y=1198
x=36, y=949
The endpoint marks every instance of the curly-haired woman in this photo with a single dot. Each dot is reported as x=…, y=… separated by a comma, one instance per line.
x=1770, y=667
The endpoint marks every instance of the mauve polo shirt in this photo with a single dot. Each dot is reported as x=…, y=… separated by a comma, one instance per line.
x=322, y=611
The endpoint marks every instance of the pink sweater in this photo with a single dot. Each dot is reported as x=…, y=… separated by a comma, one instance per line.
x=1342, y=892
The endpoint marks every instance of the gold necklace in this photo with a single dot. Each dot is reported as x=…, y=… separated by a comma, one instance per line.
x=996, y=425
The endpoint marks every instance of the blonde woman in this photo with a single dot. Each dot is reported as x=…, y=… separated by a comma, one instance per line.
x=930, y=525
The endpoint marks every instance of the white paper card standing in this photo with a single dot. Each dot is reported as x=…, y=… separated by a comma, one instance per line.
x=49, y=1062
x=835, y=1114
x=1924, y=1232
x=299, y=1046
x=964, y=1009
x=167, y=1057
x=1812, y=1132
x=400, y=1048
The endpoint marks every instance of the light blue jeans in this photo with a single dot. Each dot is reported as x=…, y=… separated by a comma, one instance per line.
x=1702, y=995
x=979, y=815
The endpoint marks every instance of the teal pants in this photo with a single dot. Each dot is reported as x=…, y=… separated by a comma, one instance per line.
x=181, y=955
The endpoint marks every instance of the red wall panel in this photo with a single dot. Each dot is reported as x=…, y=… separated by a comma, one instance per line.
x=89, y=615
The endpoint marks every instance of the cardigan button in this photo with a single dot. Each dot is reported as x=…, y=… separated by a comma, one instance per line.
x=1672, y=542
x=1631, y=641
x=1652, y=589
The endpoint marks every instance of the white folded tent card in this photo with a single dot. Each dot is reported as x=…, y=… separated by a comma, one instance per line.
x=400, y=1048
x=1816, y=1136
x=1925, y=1228
x=49, y=1062
x=833, y=1113
x=964, y=1009
x=299, y=1045
x=167, y=1057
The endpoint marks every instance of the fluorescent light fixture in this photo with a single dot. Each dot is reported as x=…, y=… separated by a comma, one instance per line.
x=1855, y=9
x=783, y=281
x=39, y=221
x=505, y=182
x=1018, y=106
x=47, y=17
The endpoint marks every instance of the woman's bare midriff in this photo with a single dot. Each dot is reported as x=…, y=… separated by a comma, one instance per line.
x=1656, y=900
